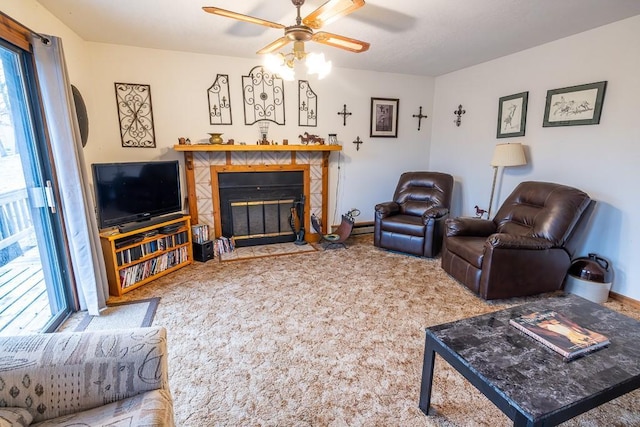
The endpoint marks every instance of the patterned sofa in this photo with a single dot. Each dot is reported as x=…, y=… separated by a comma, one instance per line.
x=86, y=379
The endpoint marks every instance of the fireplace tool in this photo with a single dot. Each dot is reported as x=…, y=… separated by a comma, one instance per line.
x=296, y=220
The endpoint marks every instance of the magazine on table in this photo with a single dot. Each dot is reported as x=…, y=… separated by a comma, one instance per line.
x=560, y=333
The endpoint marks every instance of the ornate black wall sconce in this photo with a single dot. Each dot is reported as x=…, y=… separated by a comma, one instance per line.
x=459, y=112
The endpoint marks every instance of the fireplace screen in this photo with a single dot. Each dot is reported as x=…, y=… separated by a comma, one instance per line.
x=255, y=207
x=265, y=218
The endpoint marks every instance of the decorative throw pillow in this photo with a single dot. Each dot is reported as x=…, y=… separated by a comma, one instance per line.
x=15, y=417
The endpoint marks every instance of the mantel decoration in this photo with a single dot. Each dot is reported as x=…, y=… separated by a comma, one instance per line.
x=263, y=125
x=135, y=115
x=384, y=117
x=263, y=95
x=215, y=138
x=512, y=115
x=459, y=112
x=307, y=104
x=574, y=105
x=220, y=101
x=307, y=138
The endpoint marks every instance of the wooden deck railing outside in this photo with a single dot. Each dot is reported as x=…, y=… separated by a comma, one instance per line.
x=15, y=218
x=24, y=303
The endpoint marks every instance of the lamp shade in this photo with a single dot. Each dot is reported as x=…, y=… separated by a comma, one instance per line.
x=508, y=155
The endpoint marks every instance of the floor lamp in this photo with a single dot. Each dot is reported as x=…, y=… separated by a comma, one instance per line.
x=505, y=155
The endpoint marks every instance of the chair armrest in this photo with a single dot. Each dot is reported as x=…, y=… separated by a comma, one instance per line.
x=477, y=227
x=94, y=367
x=511, y=241
x=385, y=209
x=435, y=212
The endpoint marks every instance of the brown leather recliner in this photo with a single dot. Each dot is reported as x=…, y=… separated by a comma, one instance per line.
x=414, y=221
x=526, y=249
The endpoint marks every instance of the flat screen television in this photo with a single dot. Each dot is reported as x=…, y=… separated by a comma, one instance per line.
x=135, y=191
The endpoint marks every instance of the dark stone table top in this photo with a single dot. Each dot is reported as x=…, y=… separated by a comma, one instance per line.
x=531, y=375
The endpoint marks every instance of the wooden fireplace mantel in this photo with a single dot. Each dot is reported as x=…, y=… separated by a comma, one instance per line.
x=232, y=148
x=189, y=151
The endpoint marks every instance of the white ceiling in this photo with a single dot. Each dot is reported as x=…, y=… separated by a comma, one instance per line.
x=422, y=37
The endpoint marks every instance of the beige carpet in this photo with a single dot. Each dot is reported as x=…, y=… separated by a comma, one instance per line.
x=329, y=338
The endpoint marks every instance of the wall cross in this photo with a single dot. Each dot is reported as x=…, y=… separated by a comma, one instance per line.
x=344, y=115
x=358, y=142
x=420, y=116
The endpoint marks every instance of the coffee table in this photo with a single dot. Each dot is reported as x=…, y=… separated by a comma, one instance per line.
x=528, y=381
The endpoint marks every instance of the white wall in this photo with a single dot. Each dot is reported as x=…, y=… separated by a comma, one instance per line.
x=37, y=18
x=599, y=159
x=179, y=83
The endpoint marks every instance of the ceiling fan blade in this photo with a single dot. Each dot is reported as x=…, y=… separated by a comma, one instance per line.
x=241, y=17
x=330, y=11
x=341, y=42
x=271, y=47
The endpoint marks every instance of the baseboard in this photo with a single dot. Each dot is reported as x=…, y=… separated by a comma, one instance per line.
x=365, y=227
x=624, y=300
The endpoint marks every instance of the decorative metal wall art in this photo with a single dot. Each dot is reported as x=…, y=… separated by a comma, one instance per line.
x=459, y=112
x=344, y=113
x=135, y=115
x=307, y=104
x=220, y=101
x=263, y=95
x=358, y=142
x=419, y=116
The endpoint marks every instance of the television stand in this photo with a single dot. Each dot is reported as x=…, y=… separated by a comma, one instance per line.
x=134, y=258
x=133, y=226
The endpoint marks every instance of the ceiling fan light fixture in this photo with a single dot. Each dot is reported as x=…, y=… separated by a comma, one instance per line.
x=317, y=64
x=281, y=65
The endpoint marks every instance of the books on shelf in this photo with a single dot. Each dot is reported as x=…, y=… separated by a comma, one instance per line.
x=138, y=272
x=560, y=333
x=134, y=253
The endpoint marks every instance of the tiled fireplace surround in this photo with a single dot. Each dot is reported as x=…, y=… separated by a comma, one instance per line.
x=203, y=166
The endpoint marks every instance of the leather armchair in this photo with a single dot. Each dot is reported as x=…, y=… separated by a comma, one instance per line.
x=526, y=249
x=414, y=221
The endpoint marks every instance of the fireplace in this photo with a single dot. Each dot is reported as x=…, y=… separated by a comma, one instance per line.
x=256, y=206
x=204, y=162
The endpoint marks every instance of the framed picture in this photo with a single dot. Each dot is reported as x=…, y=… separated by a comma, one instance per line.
x=575, y=105
x=512, y=115
x=384, y=117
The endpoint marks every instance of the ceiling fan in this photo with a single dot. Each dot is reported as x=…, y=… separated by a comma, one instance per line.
x=302, y=31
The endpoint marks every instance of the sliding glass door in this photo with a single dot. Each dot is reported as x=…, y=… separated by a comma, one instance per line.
x=34, y=286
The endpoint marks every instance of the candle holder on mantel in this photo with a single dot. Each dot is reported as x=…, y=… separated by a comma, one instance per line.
x=264, y=128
